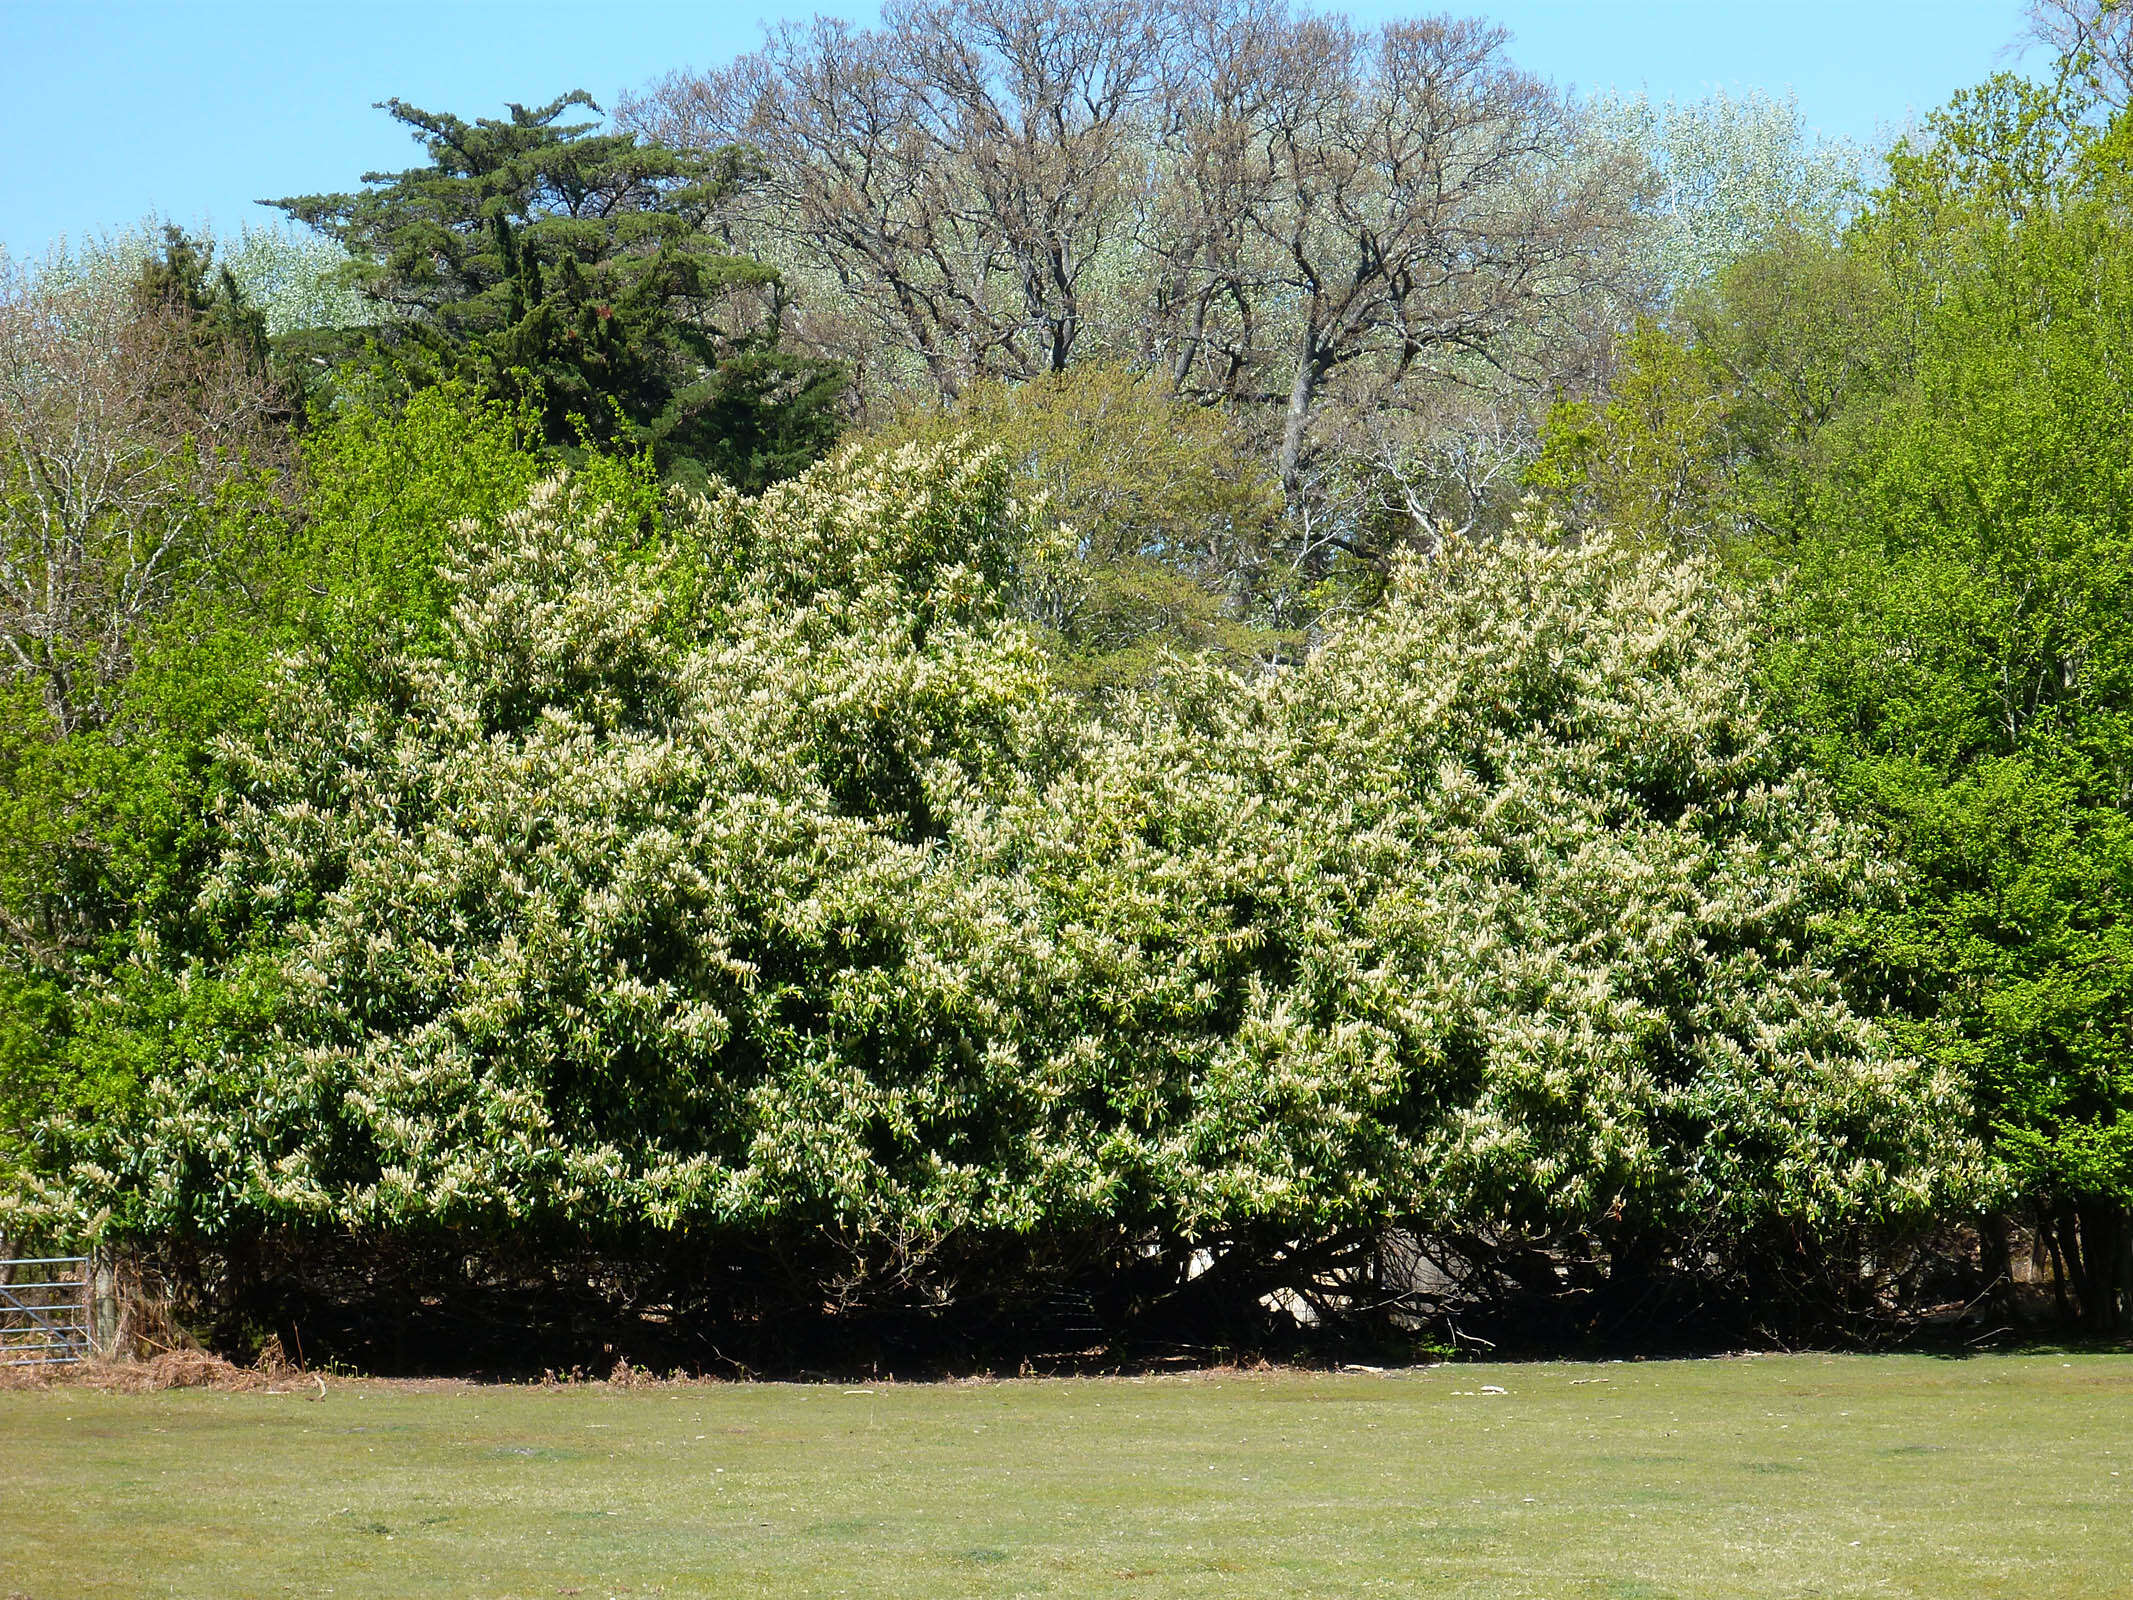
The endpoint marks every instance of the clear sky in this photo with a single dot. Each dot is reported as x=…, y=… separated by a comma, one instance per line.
x=193, y=109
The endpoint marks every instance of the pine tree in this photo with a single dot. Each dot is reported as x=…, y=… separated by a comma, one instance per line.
x=548, y=260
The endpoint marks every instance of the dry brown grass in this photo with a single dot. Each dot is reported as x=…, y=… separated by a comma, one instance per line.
x=172, y=1369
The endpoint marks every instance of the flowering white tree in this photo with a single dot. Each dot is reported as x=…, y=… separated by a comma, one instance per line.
x=1726, y=172
x=295, y=279
x=298, y=280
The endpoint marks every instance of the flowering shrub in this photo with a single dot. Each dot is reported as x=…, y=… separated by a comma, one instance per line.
x=1502, y=911
x=759, y=878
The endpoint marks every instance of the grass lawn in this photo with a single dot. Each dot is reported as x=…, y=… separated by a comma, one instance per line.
x=1768, y=1477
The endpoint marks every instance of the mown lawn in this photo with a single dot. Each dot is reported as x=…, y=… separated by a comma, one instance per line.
x=1769, y=1477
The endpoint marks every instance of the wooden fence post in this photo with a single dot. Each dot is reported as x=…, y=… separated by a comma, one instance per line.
x=103, y=1305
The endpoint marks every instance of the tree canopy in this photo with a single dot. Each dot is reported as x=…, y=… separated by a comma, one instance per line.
x=576, y=268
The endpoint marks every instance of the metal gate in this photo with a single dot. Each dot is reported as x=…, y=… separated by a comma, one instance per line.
x=44, y=1311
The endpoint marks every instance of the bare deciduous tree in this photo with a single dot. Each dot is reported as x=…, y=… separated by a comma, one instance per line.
x=1245, y=198
x=2094, y=43
x=1424, y=202
x=119, y=428
x=1208, y=181
x=1304, y=221
x=1043, y=105
x=955, y=173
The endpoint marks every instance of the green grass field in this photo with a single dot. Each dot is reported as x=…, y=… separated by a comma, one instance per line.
x=1803, y=1475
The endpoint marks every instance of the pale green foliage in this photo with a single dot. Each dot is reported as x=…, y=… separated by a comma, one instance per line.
x=295, y=279
x=1728, y=173
x=762, y=880
x=298, y=279
x=1156, y=527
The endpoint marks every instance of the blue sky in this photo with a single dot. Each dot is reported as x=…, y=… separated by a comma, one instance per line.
x=193, y=109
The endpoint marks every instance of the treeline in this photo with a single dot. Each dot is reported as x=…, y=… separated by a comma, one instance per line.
x=1054, y=678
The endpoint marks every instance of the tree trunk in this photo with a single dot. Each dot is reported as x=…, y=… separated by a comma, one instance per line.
x=2049, y=1227
x=1996, y=1238
x=2105, y=1239
x=1303, y=391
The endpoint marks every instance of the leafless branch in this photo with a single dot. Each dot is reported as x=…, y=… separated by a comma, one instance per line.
x=119, y=428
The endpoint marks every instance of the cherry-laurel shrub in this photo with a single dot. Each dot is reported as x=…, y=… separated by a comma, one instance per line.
x=758, y=877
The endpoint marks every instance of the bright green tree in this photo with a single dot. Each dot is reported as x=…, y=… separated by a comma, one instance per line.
x=103, y=822
x=1153, y=525
x=1962, y=621
x=1927, y=432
